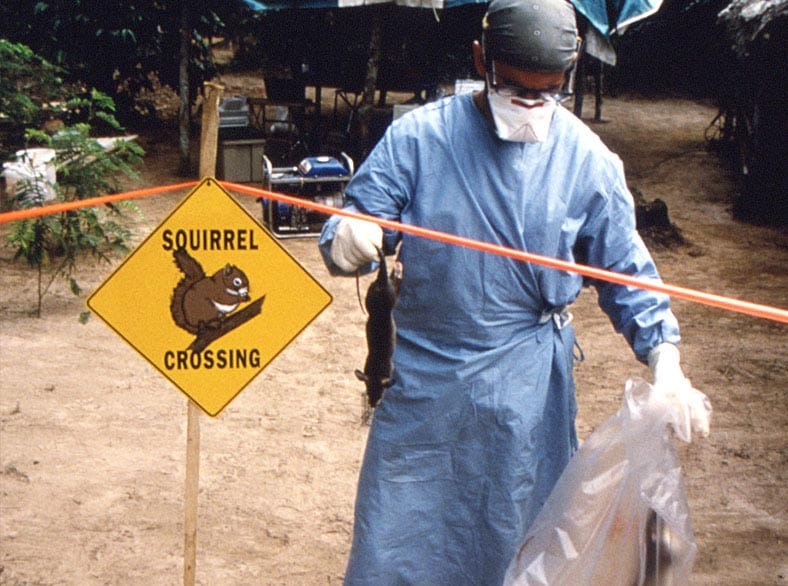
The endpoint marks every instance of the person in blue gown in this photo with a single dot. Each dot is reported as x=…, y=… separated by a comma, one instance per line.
x=479, y=423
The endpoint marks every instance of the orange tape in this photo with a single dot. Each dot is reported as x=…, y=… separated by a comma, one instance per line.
x=710, y=299
x=67, y=206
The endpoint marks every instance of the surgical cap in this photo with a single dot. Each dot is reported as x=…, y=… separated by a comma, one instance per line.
x=535, y=35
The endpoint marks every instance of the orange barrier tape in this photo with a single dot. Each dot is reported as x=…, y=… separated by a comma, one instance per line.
x=736, y=305
x=67, y=206
x=710, y=299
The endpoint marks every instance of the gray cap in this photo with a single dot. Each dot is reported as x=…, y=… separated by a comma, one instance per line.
x=535, y=35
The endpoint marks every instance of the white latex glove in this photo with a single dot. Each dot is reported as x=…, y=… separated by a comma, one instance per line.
x=356, y=242
x=689, y=409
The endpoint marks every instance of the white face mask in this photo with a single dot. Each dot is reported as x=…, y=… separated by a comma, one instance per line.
x=519, y=124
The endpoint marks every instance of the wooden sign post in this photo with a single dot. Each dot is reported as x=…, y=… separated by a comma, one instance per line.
x=209, y=139
x=210, y=361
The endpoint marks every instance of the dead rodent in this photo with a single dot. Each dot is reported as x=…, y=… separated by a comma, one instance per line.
x=381, y=333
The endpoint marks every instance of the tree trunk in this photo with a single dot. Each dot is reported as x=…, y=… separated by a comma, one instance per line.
x=373, y=57
x=580, y=81
x=364, y=118
x=599, y=79
x=183, y=83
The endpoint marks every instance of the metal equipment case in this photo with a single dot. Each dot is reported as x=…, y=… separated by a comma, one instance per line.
x=240, y=160
x=319, y=179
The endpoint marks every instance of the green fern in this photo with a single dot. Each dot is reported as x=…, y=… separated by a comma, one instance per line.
x=53, y=244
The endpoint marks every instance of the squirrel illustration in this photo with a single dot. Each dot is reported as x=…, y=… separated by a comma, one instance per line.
x=200, y=302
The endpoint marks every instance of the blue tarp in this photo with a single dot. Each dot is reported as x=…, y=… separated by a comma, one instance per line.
x=261, y=5
x=623, y=13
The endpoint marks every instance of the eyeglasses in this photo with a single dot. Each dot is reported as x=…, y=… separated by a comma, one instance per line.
x=517, y=91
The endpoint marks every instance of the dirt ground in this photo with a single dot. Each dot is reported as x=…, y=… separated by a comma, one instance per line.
x=93, y=438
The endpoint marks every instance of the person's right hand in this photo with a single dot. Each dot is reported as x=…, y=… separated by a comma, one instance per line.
x=356, y=242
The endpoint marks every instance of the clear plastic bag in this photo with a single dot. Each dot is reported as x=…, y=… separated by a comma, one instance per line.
x=618, y=515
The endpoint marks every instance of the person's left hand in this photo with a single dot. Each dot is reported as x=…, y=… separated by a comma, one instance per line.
x=690, y=409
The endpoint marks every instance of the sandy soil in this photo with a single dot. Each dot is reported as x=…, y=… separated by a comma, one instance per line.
x=92, y=438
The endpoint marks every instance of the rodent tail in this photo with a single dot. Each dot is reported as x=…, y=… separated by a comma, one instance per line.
x=188, y=265
x=382, y=259
x=176, y=305
x=193, y=272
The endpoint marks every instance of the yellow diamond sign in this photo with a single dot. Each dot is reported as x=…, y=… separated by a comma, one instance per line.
x=209, y=298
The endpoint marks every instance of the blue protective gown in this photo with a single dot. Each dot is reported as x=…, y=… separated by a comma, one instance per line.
x=468, y=442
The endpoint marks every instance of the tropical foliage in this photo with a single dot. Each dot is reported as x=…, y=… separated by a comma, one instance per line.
x=119, y=47
x=40, y=111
